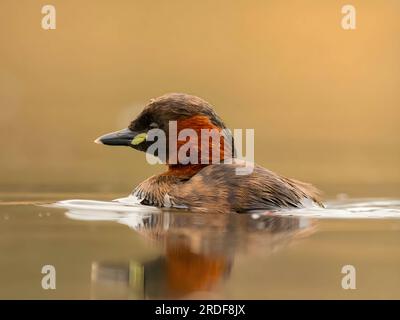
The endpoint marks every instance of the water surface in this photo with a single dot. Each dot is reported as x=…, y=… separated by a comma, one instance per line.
x=112, y=250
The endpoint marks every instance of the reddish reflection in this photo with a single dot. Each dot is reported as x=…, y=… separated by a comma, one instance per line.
x=197, y=252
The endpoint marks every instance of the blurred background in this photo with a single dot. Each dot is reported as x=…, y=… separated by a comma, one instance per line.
x=324, y=102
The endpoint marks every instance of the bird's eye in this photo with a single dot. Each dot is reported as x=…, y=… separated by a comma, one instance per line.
x=153, y=125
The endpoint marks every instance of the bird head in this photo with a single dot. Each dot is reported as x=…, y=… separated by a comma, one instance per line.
x=185, y=112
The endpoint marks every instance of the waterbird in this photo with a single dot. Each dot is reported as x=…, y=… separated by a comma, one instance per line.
x=204, y=186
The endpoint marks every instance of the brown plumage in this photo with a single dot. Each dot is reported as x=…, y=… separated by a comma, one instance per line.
x=211, y=187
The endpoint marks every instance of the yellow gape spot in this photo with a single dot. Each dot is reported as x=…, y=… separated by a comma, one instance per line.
x=139, y=139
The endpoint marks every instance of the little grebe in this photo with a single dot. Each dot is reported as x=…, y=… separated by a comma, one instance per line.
x=204, y=185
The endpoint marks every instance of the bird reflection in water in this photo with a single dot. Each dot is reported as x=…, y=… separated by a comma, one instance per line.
x=197, y=251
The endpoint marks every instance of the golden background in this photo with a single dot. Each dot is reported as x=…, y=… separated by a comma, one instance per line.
x=324, y=102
